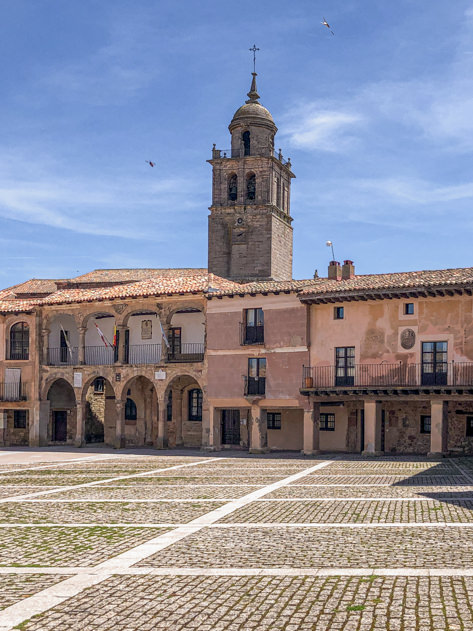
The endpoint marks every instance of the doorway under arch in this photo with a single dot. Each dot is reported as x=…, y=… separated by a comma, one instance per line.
x=62, y=412
x=140, y=411
x=184, y=412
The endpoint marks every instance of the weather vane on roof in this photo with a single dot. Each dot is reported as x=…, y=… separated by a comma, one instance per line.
x=253, y=50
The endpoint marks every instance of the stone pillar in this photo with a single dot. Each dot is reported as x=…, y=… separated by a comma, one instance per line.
x=45, y=339
x=258, y=438
x=81, y=350
x=3, y=428
x=205, y=440
x=39, y=424
x=439, y=427
x=311, y=439
x=80, y=425
x=121, y=328
x=177, y=401
x=161, y=439
x=214, y=433
x=372, y=444
x=120, y=426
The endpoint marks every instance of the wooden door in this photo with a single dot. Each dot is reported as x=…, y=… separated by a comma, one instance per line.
x=230, y=427
x=60, y=426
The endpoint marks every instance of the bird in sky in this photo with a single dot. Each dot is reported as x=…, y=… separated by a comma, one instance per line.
x=151, y=164
x=325, y=23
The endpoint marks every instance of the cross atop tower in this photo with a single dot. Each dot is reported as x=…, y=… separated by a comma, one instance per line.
x=253, y=50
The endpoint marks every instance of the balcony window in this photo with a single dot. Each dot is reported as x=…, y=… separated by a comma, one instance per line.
x=256, y=376
x=345, y=366
x=273, y=420
x=195, y=404
x=434, y=363
x=19, y=341
x=253, y=326
x=425, y=424
x=327, y=422
x=408, y=308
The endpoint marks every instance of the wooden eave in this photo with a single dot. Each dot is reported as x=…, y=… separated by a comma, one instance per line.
x=386, y=294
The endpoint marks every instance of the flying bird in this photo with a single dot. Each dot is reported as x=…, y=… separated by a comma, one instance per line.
x=151, y=164
x=325, y=23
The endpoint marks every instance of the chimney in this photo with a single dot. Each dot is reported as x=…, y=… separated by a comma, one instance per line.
x=348, y=270
x=334, y=271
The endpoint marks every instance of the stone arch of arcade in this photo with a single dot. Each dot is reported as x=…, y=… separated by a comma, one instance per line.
x=99, y=412
x=59, y=413
x=184, y=412
x=137, y=413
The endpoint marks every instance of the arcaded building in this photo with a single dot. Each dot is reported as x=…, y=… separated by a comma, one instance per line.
x=241, y=355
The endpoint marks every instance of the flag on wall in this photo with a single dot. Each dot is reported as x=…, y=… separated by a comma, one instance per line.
x=102, y=336
x=115, y=336
x=163, y=334
x=66, y=340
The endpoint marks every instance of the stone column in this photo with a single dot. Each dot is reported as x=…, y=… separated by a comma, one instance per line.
x=45, y=339
x=205, y=440
x=3, y=428
x=39, y=424
x=372, y=444
x=161, y=439
x=258, y=439
x=311, y=438
x=80, y=425
x=214, y=433
x=121, y=328
x=439, y=427
x=177, y=401
x=120, y=426
x=81, y=350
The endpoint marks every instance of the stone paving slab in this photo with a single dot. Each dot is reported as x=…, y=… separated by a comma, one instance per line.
x=341, y=491
x=40, y=546
x=203, y=479
x=367, y=603
x=421, y=480
x=14, y=588
x=154, y=491
x=354, y=512
x=16, y=489
x=284, y=546
x=97, y=512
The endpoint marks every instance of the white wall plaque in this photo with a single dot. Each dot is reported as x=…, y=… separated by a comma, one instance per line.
x=77, y=380
x=160, y=375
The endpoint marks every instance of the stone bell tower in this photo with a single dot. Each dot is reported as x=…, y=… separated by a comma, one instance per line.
x=250, y=233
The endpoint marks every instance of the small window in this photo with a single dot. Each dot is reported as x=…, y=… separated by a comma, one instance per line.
x=327, y=422
x=251, y=186
x=233, y=187
x=195, y=404
x=99, y=385
x=169, y=407
x=338, y=313
x=246, y=143
x=130, y=410
x=409, y=308
x=20, y=418
x=425, y=424
x=273, y=420
x=469, y=425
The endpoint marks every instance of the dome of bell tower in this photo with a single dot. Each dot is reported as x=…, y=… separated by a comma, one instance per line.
x=252, y=112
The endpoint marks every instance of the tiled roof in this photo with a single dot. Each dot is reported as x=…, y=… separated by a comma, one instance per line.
x=263, y=287
x=396, y=281
x=120, y=275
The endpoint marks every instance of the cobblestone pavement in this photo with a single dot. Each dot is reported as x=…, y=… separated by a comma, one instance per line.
x=237, y=542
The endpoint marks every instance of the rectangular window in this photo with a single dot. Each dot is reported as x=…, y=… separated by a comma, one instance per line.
x=256, y=376
x=469, y=425
x=253, y=326
x=273, y=420
x=409, y=308
x=345, y=366
x=20, y=418
x=195, y=404
x=338, y=313
x=425, y=424
x=327, y=422
x=99, y=385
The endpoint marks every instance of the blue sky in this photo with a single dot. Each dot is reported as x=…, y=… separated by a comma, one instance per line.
x=378, y=122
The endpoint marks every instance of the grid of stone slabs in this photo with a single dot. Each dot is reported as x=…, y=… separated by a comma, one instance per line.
x=322, y=576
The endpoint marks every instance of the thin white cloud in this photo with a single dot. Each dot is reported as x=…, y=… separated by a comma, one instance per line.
x=323, y=129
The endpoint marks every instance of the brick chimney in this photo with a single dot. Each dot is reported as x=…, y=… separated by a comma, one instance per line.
x=348, y=270
x=334, y=270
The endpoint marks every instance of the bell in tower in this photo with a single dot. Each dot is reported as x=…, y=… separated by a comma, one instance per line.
x=250, y=233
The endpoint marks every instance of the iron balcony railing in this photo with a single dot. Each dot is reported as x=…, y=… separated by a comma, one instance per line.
x=21, y=353
x=251, y=334
x=13, y=391
x=144, y=354
x=63, y=356
x=100, y=355
x=254, y=386
x=185, y=353
x=388, y=375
